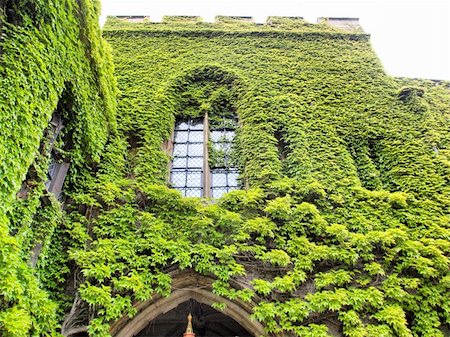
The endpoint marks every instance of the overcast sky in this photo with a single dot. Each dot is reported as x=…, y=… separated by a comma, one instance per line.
x=412, y=38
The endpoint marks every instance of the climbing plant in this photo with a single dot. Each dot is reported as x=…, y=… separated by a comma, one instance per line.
x=341, y=226
x=51, y=55
x=344, y=229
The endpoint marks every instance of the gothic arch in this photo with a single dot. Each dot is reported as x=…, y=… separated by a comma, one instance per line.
x=227, y=78
x=204, y=135
x=210, y=72
x=186, y=285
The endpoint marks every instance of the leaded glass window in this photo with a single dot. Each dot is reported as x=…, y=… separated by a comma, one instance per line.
x=188, y=157
x=224, y=174
x=202, y=169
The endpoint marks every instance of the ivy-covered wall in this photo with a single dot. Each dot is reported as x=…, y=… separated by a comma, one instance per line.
x=52, y=60
x=342, y=227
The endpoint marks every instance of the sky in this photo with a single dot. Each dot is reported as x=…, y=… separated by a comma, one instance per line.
x=412, y=38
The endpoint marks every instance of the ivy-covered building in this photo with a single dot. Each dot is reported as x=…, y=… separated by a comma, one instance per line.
x=268, y=179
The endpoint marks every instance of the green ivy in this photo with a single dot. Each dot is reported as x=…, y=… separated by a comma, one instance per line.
x=346, y=217
x=52, y=55
x=342, y=226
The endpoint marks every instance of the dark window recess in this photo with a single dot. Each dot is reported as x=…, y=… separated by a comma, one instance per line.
x=55, y=126
x=281, y=145
x=9, y=11
x=56, y=175
x=206, y=322
x=371, y=146
x=58, y=168
x=367, y=160
x=188, y=157
x=134, y=140
x=407, y=94
x=28, y=183
x=17, y=12
x=134, y=143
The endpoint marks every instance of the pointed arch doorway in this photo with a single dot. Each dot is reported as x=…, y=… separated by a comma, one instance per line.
x=206, y=322
x=166, y=316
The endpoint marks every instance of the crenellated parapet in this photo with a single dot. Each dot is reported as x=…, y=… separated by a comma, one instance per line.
x=349, y=24
x=289, y=23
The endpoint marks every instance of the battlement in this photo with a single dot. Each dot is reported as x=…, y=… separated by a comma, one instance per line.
x=271, y=20
x=350, y=25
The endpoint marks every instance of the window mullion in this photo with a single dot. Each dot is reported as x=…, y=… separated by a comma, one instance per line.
x=206, y=170
x=186, y=169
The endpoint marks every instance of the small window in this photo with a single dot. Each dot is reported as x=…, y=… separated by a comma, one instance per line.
x=203, y=163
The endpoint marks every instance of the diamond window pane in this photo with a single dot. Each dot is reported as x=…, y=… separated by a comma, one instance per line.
x=178, y=179
x=229, y=135
x=182, y=126
x=180, y=150
x=216, y=145
x=181, y=189
x=196, y=136
x=179, y=162
x=218, y=192
x=227, y=123
x=194, y=162
x=193, y=192
x=195, y=150
x=225, y=147
x=216, y=135
x=194, y=179
x=218, y=178
x=233, y=179
x=181, y=137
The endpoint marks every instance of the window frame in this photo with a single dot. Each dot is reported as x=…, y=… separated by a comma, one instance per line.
x=206, y=172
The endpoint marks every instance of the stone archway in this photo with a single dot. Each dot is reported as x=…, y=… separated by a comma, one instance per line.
x=186, y=286
x=205, y=321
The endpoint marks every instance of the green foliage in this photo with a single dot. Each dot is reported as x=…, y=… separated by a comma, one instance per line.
x=52, y=58
x=15, y=322
x=345, y=216
x=343, y=226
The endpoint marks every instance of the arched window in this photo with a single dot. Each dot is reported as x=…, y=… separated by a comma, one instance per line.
x=203, y=162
